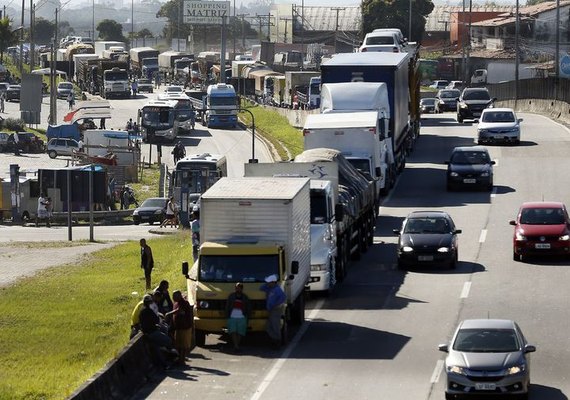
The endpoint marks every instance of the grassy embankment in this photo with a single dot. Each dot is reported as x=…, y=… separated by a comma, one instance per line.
x=64, y=324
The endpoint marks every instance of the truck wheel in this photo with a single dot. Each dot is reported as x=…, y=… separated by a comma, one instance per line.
x=200, y=338
x=298, y=316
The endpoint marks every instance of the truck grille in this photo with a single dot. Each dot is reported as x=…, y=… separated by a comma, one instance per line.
x=117, y=87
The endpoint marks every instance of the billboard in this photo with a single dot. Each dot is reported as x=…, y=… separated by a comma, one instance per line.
x=206, y=12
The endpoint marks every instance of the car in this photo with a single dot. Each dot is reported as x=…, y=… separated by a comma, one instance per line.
x=427, y=105
x=13, y=92
x=145, y=85
x=439, y=84
x=151, y=210
x=446, y=100
x=459, y=85
x=487, y=357
x=384, y=41
x=428, y=238
x=472, y=102
x=4, y=87
x=499, y=125
x=27, y=143
x=174, y=89
x=4, y=141
x=64, y=89
x=62, y=147
x=470, y=166
x=541, y=228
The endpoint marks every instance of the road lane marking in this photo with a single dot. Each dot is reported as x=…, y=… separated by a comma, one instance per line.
x=281, y=360
x=437, y=371
x=483, y=236
x=465, y=290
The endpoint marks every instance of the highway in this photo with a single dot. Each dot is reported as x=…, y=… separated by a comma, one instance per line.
x=376, y=336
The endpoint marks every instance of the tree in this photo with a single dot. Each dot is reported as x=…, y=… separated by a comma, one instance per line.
x=395, y=14
x=65, y=29
x=144, y=33
x=110, y=30
x=7, y=36
x=43, y=31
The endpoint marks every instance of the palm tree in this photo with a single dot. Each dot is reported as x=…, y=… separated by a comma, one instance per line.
x=7, y=36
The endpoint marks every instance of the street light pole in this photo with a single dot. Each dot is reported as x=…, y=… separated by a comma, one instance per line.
x=252, y=160
x=410, y=23
x=93, y=22
x=22, y=43
x=517, y=31
x=132, y=21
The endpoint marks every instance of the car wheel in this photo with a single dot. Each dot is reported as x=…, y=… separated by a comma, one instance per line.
x=136, y=222
x=151, y=222
x=52, y=154
x=517, y=257
x=517, y=142
x=490, y=187
x=401, y=265
x=459, y=119
x=449, y=396
x=453, y=263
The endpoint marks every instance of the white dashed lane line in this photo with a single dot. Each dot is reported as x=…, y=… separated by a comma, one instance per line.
x=483, y=236
x=465, y=290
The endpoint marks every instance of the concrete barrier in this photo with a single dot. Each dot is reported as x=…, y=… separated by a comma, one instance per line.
x=121, y=377
x=557, y=110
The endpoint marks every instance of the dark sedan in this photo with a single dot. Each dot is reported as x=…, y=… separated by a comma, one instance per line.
x=446, y=100
x=13, y=93
x=427, y=105
x=472, y=102
x=470, y=167
x=428, y=238
x=151, y=210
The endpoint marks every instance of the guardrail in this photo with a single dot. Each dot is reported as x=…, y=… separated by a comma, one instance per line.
x=114, y=215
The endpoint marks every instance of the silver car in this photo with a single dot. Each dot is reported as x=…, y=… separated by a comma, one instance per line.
x=487, y=357
x=499, y=125
x=62, y=147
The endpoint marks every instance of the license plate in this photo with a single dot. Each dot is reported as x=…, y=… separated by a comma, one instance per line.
x=469, y=180
x=425, y=258
x=485, y=386
x=542, y=246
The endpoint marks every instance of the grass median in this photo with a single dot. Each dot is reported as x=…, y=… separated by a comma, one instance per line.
x=64, y=324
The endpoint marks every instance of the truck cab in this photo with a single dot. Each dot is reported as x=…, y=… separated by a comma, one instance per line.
x=116, y=83
x=221, y=105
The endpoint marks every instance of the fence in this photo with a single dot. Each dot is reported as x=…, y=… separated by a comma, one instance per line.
x=535, y=88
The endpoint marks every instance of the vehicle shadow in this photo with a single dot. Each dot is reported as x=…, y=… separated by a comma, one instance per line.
x=501, y=189
x=201, y=133
x=436, y=149
x=523, y=143
x=546, y=392
x=463, y=267
x=546, y=261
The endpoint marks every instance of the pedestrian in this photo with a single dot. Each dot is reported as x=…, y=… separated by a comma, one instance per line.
x=134, y=87
x=274, y=304
x=71, y=100
x=237, y=310
x=195, y=229
x=80, y=146
x=135, y=315
x=129, y=124
x=171, y=214
x=165, y=305
x=149, y=325
x=147, y=261
x=182, y=322
x=2, y=99
x=136, y=129
x=42, y=212
x=102, y=123
x=16, y=143
x=158, y=79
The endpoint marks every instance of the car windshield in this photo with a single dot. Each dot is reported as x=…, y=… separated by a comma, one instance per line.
x=470, y=157
x=498, y=116
x=174, y=89
x=427, y=225
x=160, y=203
x=144, y=81
x=486, y=341
x=450, y=94
x=476, y=95
x=66, y=85
x=429, y=102
x=542, y=216
x=380, y=40
x=237, y=268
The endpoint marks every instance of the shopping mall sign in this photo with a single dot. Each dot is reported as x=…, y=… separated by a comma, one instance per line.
x=206, y=12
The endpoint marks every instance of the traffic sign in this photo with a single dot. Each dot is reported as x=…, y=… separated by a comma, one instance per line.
x=206, y=12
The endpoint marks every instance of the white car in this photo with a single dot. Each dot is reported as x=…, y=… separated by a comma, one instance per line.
x=174, y=89
x=439, y=84
x=499, y=125
x=386, y=41
x=62, y=147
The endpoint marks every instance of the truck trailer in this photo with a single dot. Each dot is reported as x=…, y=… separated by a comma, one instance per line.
x=265, y=231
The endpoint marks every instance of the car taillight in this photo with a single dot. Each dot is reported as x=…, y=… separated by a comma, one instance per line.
x=363, y=50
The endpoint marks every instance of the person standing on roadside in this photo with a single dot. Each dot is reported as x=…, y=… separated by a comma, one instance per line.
x=237, y=311
x=195, y=229
x=2, y=99
x=147, y=262
x=274, y=304
x=182, y=322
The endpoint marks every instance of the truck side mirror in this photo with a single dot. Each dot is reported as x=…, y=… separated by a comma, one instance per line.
x=185, y=269
x=339, y=212
x=378, y=171
x=382, y=127
x=295, y=267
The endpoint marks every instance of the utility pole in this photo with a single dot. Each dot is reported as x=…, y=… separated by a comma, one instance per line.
x=22, y=43
x=517, y=32
x=132, y=22
x=463, y=58
x=467, y=64
x=337, y=9
x=234, y=24
x=32, y=23
x=410, y=23
x=261, y=20
x=93, y=22
x=557, y=54
x=269, y=23
x=52, y=89
x=302, y=31
x=242, y=16
x=286, y=23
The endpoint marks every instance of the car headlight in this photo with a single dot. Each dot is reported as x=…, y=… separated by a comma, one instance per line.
x=519, y=236
x=454, y=174
x=407, y=249
x=158, y=212
x=203, y=304
x=443, y=250
x=454, y=369
x=564, y=237
x=136, y=212
x=516, y=369
x=318, y=267
x=462, y=105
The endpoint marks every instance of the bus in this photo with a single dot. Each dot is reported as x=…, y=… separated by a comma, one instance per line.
x=184, y=112
x=193, y=175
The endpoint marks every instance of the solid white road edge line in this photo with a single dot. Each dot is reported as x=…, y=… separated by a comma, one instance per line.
x=483, y=236
x=465, y=291
x=281, y=360
x=437, y=371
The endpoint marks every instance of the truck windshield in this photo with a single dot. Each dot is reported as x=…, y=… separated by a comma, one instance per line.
x=318, y=207
x=222, y=101
x=150, y=62
x=116, y=76
x=158, y=117
x=182, y=64
x=361, y=164
x=316, y=88
x=246, y=268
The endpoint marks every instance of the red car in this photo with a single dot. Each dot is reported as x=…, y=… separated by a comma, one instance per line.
x=541, y=228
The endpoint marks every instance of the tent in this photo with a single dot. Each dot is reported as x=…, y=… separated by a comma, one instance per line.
x=47, y=71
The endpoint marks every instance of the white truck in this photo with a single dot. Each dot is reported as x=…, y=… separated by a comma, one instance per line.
x=295, y=80
x=323, y=214
x=265, y=230
x=167, y=59
x=102, y=45
x=350, y=97
x=356, y=135
x=78, y=59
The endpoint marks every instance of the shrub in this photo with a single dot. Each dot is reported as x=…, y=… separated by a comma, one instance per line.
x=14, y=124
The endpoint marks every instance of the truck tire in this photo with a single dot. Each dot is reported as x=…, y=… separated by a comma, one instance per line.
x=298, y=311
x=200, y=338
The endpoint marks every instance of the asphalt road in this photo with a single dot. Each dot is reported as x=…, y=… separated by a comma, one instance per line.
x=376, y=336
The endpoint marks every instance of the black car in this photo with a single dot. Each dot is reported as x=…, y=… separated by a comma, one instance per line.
x=427, y=105
x=428, y=238
x=470, y=167
x=446, y=100
x=472, y=102
x=151, y=210
x=13, y=92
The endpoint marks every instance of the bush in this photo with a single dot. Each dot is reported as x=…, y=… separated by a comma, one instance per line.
x=14, y=124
